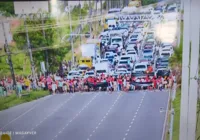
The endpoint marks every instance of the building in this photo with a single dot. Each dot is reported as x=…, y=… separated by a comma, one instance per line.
x=30, y=7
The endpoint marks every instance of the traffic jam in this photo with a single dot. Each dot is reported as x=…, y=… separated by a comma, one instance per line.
x=127, y=55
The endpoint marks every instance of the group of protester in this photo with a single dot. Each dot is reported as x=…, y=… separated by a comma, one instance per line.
x=56, y=84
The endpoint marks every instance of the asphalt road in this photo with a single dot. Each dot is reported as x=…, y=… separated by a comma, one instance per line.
x=89, y=116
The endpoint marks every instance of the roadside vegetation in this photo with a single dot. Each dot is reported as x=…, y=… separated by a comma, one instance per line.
x=56, y=49
x=147, y=2
x=13, y=100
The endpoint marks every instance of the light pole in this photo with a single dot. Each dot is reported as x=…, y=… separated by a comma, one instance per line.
x=10, y=60
x=68, y=10
x=194, y=69
x=185, y=73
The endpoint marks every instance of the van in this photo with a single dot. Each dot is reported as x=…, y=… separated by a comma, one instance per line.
x=85, y=61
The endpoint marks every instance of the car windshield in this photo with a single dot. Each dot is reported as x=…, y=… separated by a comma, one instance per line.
x=121, y=71
x=121, y=67
x=131, y=52
x=149, y=56
x=83, y=68
x=72, y=73
x=164, y=61
x=134, y=36
x=125, y=58
x=147, y=51
x=90, y=73
x=140, y=67
x=103, y=61
x=123, y=62
x=165, y=54
x=101, y=71
x=133, y=40
x=116, y=40
x=166, y=49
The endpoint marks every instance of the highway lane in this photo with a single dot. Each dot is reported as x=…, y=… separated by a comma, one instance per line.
x=95, y=116
x=89, y=118
x=53, y=125
x=115, y=124
x=33, y=117
x=18, y=111
x=149, y=122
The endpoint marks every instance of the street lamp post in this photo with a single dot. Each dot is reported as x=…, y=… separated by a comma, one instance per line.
x=67, y=9
x=185, y=73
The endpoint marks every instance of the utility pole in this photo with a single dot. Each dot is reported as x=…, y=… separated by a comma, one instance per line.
x=72, y=44
x=30, y=54
x=80, y=18
x=194, y=69
x=10, y=60
x=185, y=73
x=96, y=16
x=101, y=7
x=44, y=35
x=90, y=14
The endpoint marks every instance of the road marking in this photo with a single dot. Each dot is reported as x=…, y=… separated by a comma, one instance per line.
x=79, y=113
x=41, y=101
x=135, y=115
x=107, y=112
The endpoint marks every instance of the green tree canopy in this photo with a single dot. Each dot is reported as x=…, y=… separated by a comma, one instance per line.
x=7, y=8
x=37, y=40
x=147, y=2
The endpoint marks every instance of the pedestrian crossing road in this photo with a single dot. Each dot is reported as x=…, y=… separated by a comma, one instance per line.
x=131, y=115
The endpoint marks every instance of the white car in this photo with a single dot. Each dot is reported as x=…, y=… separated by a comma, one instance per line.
x=125, y=62
x=117, y=40
x=166, y=50
x=89, y=73
x=140, y=67
x=109, y=54
x=122, y=71
x=73, y=74
x=128, y=49
x=138, y=37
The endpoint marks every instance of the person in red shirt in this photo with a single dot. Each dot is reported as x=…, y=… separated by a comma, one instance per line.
x=147, y=78
x=120, y=82
x=133, y=79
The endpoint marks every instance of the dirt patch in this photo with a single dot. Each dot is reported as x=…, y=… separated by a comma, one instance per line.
x=14, y=24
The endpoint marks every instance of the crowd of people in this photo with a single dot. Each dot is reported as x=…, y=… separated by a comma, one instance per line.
x=56, y=84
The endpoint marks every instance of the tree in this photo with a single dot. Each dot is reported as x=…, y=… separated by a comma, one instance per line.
x=147, y=2
x=37, y=41
x=7, y=8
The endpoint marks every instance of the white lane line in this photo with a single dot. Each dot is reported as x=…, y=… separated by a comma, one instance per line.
x=36, y=104
x=76, y=115
x=107, y=112
x=54, y=110
x=135, y=115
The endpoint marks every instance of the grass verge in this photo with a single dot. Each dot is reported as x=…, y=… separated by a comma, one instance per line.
x=198, y=122
x=13, y=100
x=176, y=105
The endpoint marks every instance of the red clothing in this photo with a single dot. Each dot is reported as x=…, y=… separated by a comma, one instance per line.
x=120, y=81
